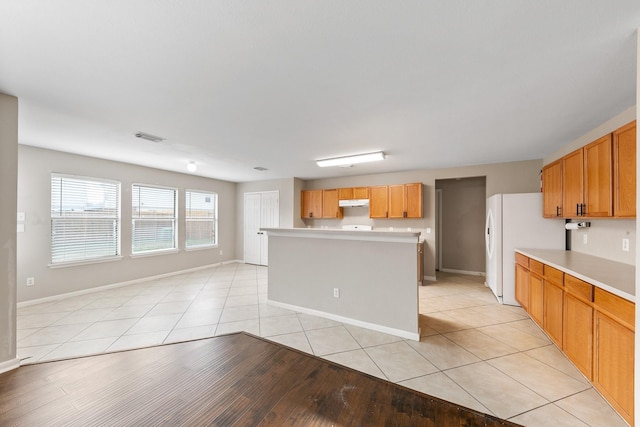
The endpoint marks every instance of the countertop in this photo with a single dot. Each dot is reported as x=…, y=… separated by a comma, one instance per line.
x=400, y=235
x=615, y=277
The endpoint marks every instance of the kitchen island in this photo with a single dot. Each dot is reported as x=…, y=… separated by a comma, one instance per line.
x=362, y=278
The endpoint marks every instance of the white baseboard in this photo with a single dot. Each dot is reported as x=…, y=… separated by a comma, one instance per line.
x=470, y=273
x=9, y=365
x=120, y=284
x=384, y=329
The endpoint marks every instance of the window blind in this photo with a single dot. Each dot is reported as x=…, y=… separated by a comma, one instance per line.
x=85, y=219
x=154, y=219
x=200, y=218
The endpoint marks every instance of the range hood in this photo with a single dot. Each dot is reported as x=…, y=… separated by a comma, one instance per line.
x=353, y=203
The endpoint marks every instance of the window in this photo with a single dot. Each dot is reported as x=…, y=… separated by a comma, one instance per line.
x=153, y=212
x=201, y=219
x=85, y=219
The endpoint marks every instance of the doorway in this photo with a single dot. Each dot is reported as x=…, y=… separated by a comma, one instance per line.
x=460, y=220
x=261, y=210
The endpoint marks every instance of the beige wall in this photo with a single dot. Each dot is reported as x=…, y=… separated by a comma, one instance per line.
x=8, y=195
x=512, y=177
x=34, y=171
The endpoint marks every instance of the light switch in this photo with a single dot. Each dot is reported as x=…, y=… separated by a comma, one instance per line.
x=20, y=228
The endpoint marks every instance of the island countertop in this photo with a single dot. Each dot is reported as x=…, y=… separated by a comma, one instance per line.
x=615, y=277
x=336, y=233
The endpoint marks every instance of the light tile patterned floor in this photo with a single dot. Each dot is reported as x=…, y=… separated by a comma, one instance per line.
x=473, y=351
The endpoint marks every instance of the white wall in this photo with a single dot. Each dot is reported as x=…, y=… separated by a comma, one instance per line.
x=8, y=195
x=35, y=166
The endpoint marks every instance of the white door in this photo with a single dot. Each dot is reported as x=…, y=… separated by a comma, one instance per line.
x=261, y=210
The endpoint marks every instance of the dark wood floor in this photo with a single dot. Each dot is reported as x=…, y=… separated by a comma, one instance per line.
x=232, y=380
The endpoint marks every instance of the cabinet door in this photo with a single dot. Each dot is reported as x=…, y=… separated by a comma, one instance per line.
x=536, y=298
x=330, y=208
x=522, y=286
x=413, y=194
x=397, y=201
x=552, y=190
x=598, y=185
x=361, y=193
x=552, y=322
x=572, y=184
x=345, y=193
x=613, y=370
x=577, y=333
x=311, y=204
x=378, y=202
x=624, y=171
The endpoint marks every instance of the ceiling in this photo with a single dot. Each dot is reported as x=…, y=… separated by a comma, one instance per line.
x=233, y=84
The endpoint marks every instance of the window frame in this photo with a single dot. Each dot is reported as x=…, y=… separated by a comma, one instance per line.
x=117, y=220
x=160, y=251
x=187, y=219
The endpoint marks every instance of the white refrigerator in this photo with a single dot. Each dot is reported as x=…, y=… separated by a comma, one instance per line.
x=515, y=221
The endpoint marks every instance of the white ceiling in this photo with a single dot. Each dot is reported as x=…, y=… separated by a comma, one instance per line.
x=236, y=84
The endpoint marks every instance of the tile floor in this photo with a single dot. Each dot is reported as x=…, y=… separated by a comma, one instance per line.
x=473, y=351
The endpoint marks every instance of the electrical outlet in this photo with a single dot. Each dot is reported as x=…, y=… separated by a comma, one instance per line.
x=584, y=239
x=31, y=281
x=625, y=245
x=336, y=292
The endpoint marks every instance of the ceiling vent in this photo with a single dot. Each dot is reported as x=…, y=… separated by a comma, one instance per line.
x=149, y=137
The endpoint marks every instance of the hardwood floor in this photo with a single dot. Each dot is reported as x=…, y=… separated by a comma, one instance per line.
x=236, y=379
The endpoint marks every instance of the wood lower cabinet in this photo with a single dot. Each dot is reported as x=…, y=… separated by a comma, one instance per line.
x=553, y=303
x=536, y=292
x=522, y=286
x=624, y=171
x=311, y=204
x=330, y=208
x=552, y=190
x=577, y=337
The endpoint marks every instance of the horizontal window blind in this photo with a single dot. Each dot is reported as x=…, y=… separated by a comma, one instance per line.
x=201, y=211
x=85, y=219
x=154, y=218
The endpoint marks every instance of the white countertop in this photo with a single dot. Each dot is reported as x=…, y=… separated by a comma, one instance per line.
x=399, y=236
x=615, y=277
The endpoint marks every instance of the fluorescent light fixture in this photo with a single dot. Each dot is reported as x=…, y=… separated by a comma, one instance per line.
x=149, y=137
x=351, y=160
x=191, y=167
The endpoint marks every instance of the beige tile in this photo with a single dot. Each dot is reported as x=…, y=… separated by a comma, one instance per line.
x=442, y=352
x=41, y=320
x=444, y=323
x=28, y=355
x=548, y=415
x=240, y=291
x=145, y=299
x=267, y=310
x=310, y=322
x=234, y=314
x=173, y=307
x=84, y=316
x=127, y=312
x=546, y=381
x=241, y=300
x=206, y=302
x=297, y=340
x=399, y=361
x=279, y=325
x=592, y=409
x=199, y=318
x=190, y=333
x=517, y=335
x=252, y=326
x=53, y=335
x=331, y=340
x=498, y=392
x=556, y=359
x=358, y=360
x=481, y=345
x=79, y=348
x=128, y=342
x=370, y=338
x=154, y=324
x=108, y=302
x=441, y=386
x=180, y=296
x=105, y=329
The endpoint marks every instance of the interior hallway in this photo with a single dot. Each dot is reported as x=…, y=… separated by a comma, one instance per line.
x=473, y=351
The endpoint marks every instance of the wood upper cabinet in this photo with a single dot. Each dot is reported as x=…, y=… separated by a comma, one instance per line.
x=577, y=337
x=405, y=200
x=330, y=208
x=353, y=193
x=598, y=178
x=311, y=204
x=552, y=190
x=379, y=202
x=572, y=183
x=624, y=171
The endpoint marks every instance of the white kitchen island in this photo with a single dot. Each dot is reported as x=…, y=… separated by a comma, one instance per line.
x=363, y=278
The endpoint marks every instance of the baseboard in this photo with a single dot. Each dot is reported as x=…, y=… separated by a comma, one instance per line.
x=379, y=328
x=9, y=365
x=429, y=278
x=120, y=284
x=470, y=273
